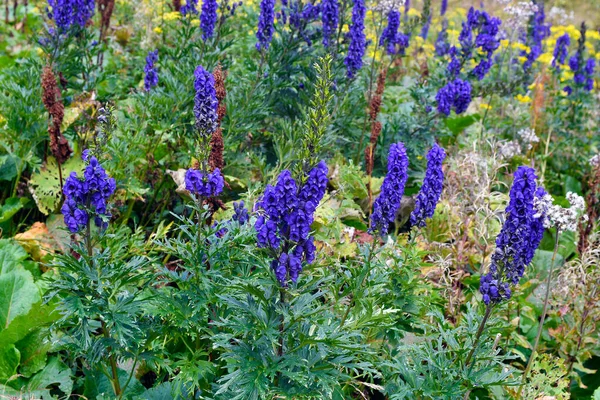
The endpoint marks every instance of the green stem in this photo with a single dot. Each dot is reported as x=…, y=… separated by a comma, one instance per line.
x=488, y=312
x=541, y=326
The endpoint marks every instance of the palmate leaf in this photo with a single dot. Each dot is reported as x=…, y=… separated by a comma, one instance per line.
x=45, y=184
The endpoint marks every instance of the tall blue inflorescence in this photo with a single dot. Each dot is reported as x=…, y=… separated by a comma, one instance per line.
x=455, y=95
x=329, y=19
x=517, y=241
x=190, y=7
x=358, y=42
x=431, y=190
x=392, y=190
x=87, y=197
x=287, y=212
x=204, y=184
x=208, y=18
x=264, y=33
x=69, y=13
x=561, y=50
x=205, y=101
x=301, y=18
x=583, y=70
x=395, y=42
x=538, y=31
x=442, y=45
x=444, y=7
x=151, y=77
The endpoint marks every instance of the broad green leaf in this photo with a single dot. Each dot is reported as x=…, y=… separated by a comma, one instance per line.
x=11, y=207
x=45, y=185
x=39, y=315
x=55, y=372
x=9, y=361
x=8, y=168
x=458, y=124
x=17, y=294
x=11, y=255
x=33, y=351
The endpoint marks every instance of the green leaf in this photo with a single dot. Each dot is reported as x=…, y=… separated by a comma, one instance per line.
x=45, y=185
x=17, y=294
x=55, y=372
x=572, y=184
x=9, y=361
x=11, y=255
x=33, y=351
x=39, y=315
x=8, y=168
x=459, y=124
x=11, y=207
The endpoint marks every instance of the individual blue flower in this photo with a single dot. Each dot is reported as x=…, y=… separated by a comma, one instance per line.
x=561, y=50
x=151, y=78
x=87, y=197
x=392, y=190
x=455, y=95
x=190, y=7
x=357, y=38
x=431, y=190
x=240, y=213
x=516, y=242
x=329, y=19
x=264, y=33
x=208, y=18
x=205, y=101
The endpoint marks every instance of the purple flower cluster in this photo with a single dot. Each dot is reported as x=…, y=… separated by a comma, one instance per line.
x=301, y=18
x=205, y=101
x=392, y=190
x=208, y=18
x=151, y=78
x=561, y=50
x=204, y=184
x=455, y=95
x=240, y=213
x=358, y=42
x=395, y=42
x=517, y=241
x=425, y=28
x=583, y=71
x=486, y=42
x=264, y=33
x=538, y=31
x=330, y=19
x=68, y=13
x=284, y=225
x=87, y=198
x=431, y=190
x=444, y=7
x=442, y=46
x=190, y=7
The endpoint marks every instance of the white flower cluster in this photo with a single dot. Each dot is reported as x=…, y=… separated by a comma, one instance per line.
x=564, y=219
x=595, y=161
x=560, y=15
x=508, y=150
x=528, y=137
x=386, y=6
x=519, y=14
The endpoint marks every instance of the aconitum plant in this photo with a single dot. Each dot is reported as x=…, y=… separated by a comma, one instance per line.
x=538, y=31
x=286, y=214
x=329, y=19
x=561, y=50
x=455, y=95
x=392, y=190
x=205, y=102
x=517, y=241
x=431, y=190
x=204, y=184
x=68, y=13
x=208, y=18
x=151, y=78
x=357, y=37
x=264, y=33
x=190, y=7
x=86, y=198
x=395, y=42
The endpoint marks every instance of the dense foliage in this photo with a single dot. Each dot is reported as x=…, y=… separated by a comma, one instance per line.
x=298, y=200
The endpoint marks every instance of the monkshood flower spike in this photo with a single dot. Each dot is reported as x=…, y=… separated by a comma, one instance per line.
x=86, y=197
x=264, y=33
x=190, y=7
x=151, y=78
x=358, y=41
x=208, y=18
x=392, y=190
x=517, y=241
x=329, y=19
x=431, y=190
x=69, y=13
x=286, y=214
x=205, y=102
x=204, y=184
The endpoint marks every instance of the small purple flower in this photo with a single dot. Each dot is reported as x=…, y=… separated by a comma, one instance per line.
x=394, y=41
x=69, y=13
x=204, y=184
x=357, y=38
x=205, y=101
x=190, y=7
x=329, y=19
x=264, y=34
x=240, y=213
x=561, y=50
x=208, y=18
x=151, y=78
x=455, y=95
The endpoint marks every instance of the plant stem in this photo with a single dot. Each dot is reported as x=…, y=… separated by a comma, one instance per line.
x=113, y=363
x=488, y=312
x=541, y=326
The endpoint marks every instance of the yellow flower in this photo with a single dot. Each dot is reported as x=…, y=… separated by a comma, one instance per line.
x=39, y=51
x=2, y=119
x=413, y=13
x=594, y=35
x=345, y=28
x=196, y=22
x=35, y=10
x=546, y=58
x=172, y=16
x=523, y=99
x=522, y=60
x=485, y=107
x=158, y=30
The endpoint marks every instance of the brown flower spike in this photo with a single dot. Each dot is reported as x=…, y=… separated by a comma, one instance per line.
x=216, y=142
x=374, y=109
x=51, y=98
